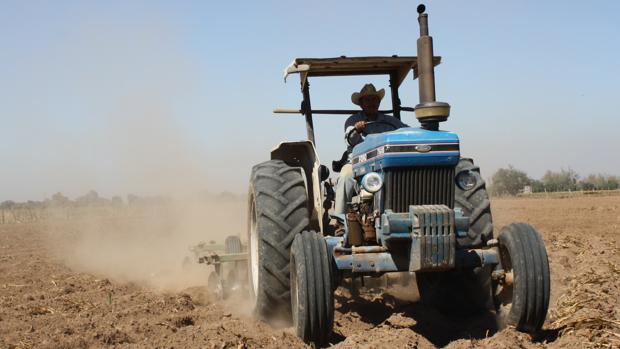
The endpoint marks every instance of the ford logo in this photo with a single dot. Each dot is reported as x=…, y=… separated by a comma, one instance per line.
x=423, y=148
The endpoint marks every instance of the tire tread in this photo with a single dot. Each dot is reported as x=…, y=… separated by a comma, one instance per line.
x=531, y=287
x=279, y=194
x=315, y=321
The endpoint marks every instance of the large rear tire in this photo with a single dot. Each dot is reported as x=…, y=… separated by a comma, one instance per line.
x=464, y=291
x=277, y=212
x=522, y=296
x=312, y=295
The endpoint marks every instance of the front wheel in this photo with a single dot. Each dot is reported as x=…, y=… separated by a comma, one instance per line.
x=312, y=295
x=521, y=292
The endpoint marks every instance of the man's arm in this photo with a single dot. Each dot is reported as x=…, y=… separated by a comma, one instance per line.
x=353, y=122
x=354, y=137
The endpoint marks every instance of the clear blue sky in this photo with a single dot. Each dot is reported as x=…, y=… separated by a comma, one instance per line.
x=149, y=97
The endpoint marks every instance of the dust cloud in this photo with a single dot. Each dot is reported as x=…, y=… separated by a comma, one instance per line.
x=149, y=245
x=120, y=128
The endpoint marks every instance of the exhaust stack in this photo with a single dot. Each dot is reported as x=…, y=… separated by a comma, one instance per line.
x=429, y=112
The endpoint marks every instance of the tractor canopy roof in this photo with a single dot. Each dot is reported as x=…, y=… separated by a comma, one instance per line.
x=395, y=66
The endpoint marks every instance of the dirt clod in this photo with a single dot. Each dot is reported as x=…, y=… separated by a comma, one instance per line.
x=114, y=336
x=183, y=321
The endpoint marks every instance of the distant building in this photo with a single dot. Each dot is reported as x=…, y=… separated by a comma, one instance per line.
x=527, y=189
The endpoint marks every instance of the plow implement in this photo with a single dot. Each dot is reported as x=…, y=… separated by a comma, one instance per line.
x=230, y=265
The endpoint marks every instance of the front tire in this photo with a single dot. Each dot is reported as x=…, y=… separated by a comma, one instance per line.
x=312, y=295
x=522, y=295
x=277, y=212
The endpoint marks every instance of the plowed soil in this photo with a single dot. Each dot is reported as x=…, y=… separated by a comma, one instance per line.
x=48, y=299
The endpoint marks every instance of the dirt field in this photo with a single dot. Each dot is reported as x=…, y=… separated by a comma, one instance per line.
x=50, y=296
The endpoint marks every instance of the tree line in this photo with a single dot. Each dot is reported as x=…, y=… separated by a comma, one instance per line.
x=512, y=181
x=91, y=198
x=61, y=206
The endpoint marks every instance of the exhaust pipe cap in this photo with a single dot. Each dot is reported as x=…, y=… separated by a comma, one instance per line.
x=432, y=111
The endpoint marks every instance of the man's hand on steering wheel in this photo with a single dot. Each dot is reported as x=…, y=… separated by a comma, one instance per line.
x=359, y=126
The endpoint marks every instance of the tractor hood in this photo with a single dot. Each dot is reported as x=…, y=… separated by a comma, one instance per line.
x=405, y=147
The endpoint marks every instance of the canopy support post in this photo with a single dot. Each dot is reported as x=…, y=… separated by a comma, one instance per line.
x=395, y=97
x=306, y=108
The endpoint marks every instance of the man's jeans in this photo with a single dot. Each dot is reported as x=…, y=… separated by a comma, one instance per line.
x=346, y=187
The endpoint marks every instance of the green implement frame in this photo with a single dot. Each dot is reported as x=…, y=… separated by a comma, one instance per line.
x=215, y=259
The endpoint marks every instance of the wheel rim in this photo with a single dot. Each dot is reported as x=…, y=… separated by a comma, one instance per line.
x=504, y=290
x=254, y=248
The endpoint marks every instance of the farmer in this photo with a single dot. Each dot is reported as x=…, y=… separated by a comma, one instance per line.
x=367, y=121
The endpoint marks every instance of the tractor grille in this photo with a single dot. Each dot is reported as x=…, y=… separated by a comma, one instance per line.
x=418, y=186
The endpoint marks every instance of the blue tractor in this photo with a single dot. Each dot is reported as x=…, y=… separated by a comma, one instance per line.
x=421, y=208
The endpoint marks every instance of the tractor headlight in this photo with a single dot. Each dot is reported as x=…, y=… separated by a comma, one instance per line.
x=466, y=180
x=372, y=182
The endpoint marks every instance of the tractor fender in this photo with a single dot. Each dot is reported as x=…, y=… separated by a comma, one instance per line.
x=303, y=154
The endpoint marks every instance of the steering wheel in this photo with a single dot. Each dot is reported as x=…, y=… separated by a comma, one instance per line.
x=363, y=132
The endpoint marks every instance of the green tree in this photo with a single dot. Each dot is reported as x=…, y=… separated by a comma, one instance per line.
x=564, y=180
x=614, y=182
x=90, y=198
x=599, y=182
x=117, y=201
x=509, y=181
x=537, y=186
x=59, y=200
x=8, y=204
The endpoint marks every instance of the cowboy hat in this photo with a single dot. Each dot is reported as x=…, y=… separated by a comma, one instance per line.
x=367, y=90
